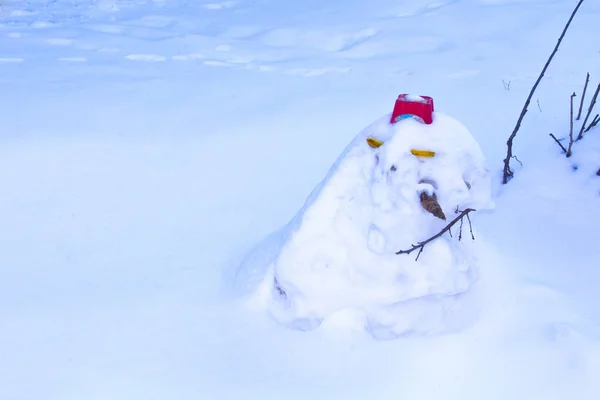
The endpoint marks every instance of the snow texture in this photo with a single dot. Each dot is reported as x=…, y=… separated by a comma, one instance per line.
x=415, y=98
x=147, y=146
x=339, y=251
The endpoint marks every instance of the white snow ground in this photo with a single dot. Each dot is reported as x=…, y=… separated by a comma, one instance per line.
x=147, y=146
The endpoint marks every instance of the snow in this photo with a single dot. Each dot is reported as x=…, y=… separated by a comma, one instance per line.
x=415, y=98
x=338, y=254
x=140, y=165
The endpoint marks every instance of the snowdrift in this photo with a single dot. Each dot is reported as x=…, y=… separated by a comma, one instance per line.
x=337, y=256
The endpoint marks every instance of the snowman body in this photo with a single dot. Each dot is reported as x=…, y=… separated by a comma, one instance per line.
x=338, y=254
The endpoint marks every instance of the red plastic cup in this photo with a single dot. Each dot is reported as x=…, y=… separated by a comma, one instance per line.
x=413, y=106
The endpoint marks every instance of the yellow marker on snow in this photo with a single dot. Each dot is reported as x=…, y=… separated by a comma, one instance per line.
x=374, y=143
x=423, y=153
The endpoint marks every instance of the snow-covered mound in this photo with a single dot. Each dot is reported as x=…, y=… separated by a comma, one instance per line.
x=338, y=254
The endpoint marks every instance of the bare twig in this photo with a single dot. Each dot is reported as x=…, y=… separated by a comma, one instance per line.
x=506, y=84
x=590, y=109
x=594, y=123
x=559, y=143
x=470, y=226
x=569, y=153
x=447, y=228
x=587, y=80
x=519, y=161
x=507, y=173
x=538, y=103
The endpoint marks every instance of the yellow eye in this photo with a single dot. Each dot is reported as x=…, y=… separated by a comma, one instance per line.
x=374, y=143
x=423, y=153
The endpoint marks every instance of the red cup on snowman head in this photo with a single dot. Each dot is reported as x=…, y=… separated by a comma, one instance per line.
x=418, y=107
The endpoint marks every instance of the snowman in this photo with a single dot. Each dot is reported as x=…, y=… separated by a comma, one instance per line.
x=401, y=181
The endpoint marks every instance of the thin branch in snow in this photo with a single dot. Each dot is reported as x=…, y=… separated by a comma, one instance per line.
x=559, y=143
x=519, y=161
x=538, y=103
x=470, y=226
x=587, y=80
x=569, y=153
x=590, y=109
x=421, y=245
x=507, y=172
x=594, y=122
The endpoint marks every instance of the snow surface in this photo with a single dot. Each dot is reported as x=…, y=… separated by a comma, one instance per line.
x=148, y=146
x=415, y=98
x=338, y=254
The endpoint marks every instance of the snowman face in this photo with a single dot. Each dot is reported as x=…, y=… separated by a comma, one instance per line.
x=440, y=160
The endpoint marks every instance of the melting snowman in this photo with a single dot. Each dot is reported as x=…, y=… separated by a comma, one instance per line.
x=398, y=183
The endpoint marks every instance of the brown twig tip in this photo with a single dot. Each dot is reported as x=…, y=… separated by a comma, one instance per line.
x=590, y=109
x=594, y=122
x=569, y=153
x=558, y=142
x=587, y=80
x=421, y=245
x=470, y=226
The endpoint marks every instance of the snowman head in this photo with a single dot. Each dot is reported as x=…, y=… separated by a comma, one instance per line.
x=441, y=159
